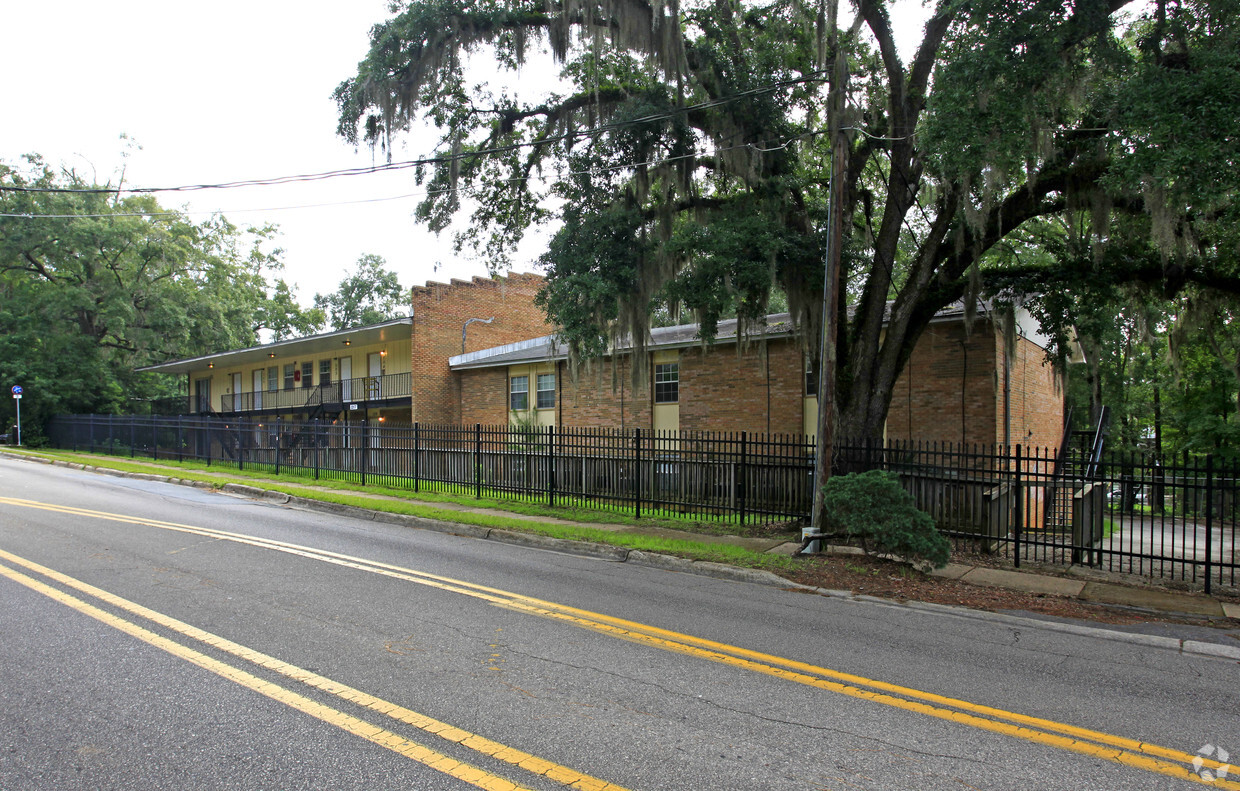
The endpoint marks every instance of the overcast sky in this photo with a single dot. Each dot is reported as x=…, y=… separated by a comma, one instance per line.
x=227, y=91
x=218, y=92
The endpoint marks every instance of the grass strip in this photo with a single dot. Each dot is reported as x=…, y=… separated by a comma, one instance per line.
x=376, y=500
x=564, y=508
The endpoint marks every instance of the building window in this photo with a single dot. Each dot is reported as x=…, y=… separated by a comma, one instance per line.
x=519, y=393
x=273, y=378
x=325, y=372
x=666, y=383
x=545, y=398
x=289, y=375
x=307, y=374
x=811, y=378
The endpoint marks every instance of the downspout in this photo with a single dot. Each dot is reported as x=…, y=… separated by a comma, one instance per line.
x=909, y=398
x=768, y=391
x=460, y=386
x=964, y=378
x=1011, y=335
x=1007, y=395
x=616, y=362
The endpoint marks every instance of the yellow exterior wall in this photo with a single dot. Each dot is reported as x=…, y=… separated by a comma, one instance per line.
x=541, y=417
x=666, y=417
x=396, y=361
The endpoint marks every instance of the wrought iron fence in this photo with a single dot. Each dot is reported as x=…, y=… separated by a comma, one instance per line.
x=716, y=476
x=1159, y=518
x=1165, y=518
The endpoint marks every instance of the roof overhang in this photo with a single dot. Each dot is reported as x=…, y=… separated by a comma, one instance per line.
x=387, y=332
x=683, y=336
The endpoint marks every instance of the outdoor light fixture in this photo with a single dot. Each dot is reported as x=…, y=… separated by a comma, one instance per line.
x=210, y=365
x=383, y=353
x=348, y=342
x=271, y=354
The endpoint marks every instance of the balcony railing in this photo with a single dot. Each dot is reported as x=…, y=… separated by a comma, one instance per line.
x=357, y=390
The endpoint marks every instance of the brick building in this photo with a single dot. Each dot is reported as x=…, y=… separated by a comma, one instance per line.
x=963, y=383
x=463, y=315
x=396, y=370
x=480, y=351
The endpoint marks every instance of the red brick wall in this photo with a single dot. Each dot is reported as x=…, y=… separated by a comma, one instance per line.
x=603, y=396
x=486, y=396
x=721, y=390
x=926, y=401
x=1036, y=401
x=439, y=312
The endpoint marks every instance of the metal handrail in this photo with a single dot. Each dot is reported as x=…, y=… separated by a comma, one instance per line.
x=356, y=389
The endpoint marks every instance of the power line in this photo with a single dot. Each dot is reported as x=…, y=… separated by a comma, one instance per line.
x=420, y=194
x=423, y=161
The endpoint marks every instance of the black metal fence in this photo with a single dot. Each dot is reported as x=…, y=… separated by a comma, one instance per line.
x=719, y=476
x=1165, y=518
x=1159, y=518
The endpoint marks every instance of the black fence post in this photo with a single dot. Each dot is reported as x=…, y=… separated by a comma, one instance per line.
x=180, y=439
x=417, y=454
x=637, y=473
x=1209, y=518
x=1018, y=497
x=133, y=438
x=316, y=436
x=154, y=437
x=478, y=461
x=365, y=449
x=740, y=478
x=277, y=448
x=551, y=466
x=240, y=447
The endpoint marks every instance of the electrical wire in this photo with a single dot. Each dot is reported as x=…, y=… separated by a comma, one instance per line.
x=421, y=194
x=814, y=76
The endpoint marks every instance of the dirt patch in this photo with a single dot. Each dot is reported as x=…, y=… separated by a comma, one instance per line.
x=891, y=580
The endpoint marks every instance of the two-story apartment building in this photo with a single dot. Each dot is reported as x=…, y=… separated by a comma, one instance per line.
x=393, y=371
x=480, y=351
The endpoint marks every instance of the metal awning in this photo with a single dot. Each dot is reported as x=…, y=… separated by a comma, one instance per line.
x=387, y=332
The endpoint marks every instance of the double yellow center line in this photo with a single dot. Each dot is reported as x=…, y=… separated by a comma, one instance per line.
x=1096, y=744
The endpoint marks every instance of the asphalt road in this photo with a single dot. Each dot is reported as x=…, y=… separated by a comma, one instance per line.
x=162, y=637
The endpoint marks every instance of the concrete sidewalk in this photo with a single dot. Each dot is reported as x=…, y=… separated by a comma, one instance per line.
x=1094, y=591
x=1155, y=600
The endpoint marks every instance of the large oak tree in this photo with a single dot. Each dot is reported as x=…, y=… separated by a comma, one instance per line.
x=94, y=284
x=684, y=154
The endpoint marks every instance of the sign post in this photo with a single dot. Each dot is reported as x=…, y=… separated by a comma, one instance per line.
x=17, y=397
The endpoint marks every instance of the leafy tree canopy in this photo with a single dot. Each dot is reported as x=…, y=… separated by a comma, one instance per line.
x=372, y=294
x=93, y=285
x=685, y=154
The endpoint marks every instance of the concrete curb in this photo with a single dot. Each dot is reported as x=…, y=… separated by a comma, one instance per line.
x=535, y=541
x=331, y=508
x=256, y=493
x=657, y=561
x=1191, y=647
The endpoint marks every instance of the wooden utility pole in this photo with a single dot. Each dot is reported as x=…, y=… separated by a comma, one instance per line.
x=831, y=276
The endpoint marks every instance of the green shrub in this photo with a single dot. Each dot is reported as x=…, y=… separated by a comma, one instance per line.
x=872, y=509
